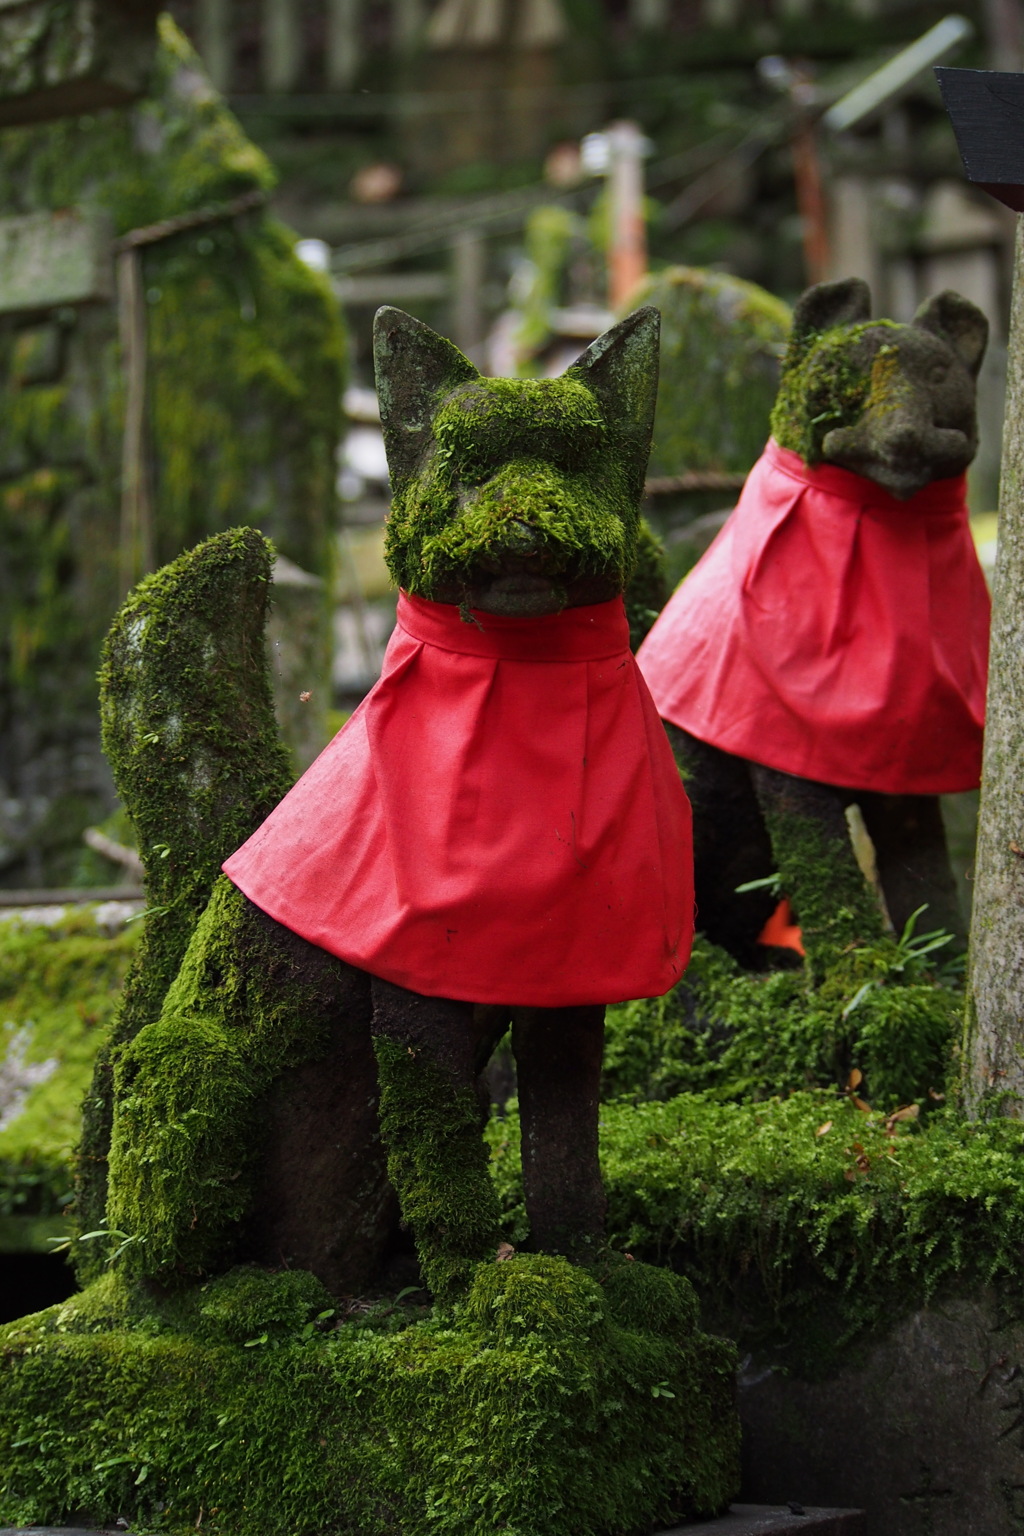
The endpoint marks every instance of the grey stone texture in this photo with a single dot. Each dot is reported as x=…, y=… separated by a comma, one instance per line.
x=923, y=1429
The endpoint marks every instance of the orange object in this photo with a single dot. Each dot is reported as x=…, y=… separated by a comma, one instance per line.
x=780, y=931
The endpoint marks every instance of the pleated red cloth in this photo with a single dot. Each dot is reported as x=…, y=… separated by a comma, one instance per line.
x=833, y=632
x=500, y=821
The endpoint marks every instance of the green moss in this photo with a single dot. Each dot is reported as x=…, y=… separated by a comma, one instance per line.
x=827, y=379
x=648, y=588
x=546, y=1403
x=438, y=1166
x=189, y=1088
x=189, y=729
x=545, y=457
x=747, y=1037
x=59, y=986
x=804, y=1221
x=721, y=339
x=835, y=906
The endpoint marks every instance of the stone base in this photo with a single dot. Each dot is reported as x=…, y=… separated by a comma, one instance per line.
x=924, y=1428
x=771, y=1520
x=738, y=1520
x=547, y=1403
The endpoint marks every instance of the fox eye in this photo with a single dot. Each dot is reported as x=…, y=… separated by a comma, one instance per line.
x=938, y=373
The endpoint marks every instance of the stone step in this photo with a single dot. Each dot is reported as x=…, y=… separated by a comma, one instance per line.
x=774, y=1520
x=740, y=1520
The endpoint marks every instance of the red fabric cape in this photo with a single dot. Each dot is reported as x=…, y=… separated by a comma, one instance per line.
x=500, y=821
x=833, y=632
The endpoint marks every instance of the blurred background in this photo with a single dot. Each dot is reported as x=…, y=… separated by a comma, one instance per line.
x=440, y=155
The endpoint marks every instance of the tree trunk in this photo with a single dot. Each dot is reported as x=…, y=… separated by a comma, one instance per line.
x=994, y=1031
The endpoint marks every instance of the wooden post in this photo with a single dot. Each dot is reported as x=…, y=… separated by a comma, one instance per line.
x=810, y=199
x=468, y=264
x=627, y=256
x=136, y=553
x=343, y=50
x=282, y=44
x=987, y=111
x=213, y=35
x=994, y=1034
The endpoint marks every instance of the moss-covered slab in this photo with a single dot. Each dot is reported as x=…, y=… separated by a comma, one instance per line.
x=806, y=1223
x=551, y=1402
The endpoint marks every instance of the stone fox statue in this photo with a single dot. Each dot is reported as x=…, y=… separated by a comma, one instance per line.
x=498, y=837
x=831, y=646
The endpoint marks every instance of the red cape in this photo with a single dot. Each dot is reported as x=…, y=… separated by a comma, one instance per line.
x=833, y=632
x=500, y=821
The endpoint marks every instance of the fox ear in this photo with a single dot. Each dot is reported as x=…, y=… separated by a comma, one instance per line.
x=959, y=322
x=415, y=369
x=847, y=302
x=621, y=369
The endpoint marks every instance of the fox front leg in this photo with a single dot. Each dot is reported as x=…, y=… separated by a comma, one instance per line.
x=430, y=1053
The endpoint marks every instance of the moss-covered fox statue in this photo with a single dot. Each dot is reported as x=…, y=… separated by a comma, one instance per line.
x=498, y=837
x=830, y=647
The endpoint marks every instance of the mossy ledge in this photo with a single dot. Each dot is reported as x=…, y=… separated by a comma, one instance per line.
x=552, y=1400
x=803, y=1221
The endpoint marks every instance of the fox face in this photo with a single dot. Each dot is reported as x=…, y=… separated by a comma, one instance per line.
x=515, y=496
x=895, y=403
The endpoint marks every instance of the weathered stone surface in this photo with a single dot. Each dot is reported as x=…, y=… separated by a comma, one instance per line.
x=60, y=60
x=51, y=258
x=924, y=1429
x=775, y=1520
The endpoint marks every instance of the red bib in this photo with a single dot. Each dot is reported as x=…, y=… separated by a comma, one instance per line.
x=833, y=632
x=500, y=821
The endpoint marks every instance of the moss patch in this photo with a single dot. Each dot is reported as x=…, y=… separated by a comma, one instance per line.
x=189, y=729
x=438, y=1166
x=804, y=1221
x=827, y=379
x=188, y=1092
x=546, y=1402
x=59, y=987
x=546, y=459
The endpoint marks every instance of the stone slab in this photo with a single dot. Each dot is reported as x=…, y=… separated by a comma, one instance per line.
x=923, y=1426
x=54, y=258
x=59, y=60
x=741, y=1520
x=775, y=1520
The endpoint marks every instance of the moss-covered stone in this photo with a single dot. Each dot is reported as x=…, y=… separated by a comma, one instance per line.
x=547, y=1403
x=488, y=473
x=59, y=988
x=245, y=365
x=189, y=728
x=721, y=342
x=438, y=1165
x=895, y=403
x=221, y=1148
x=803, y=1220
